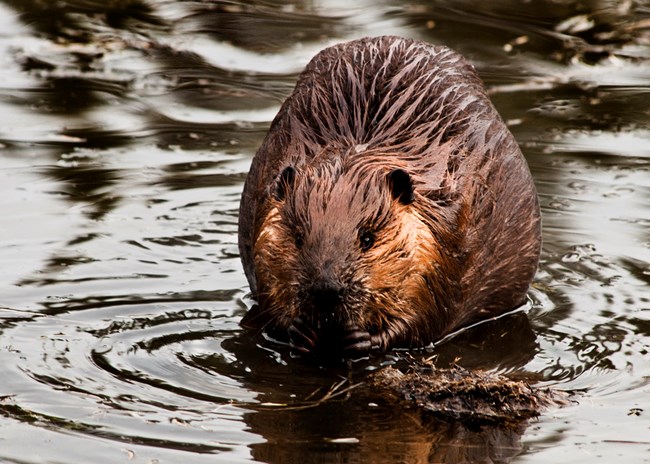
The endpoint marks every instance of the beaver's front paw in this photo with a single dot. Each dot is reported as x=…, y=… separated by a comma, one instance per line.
x=357, y=343
x=330, y=343
x=302, y=337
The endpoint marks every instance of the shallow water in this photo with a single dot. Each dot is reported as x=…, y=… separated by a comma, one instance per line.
x=126, y=131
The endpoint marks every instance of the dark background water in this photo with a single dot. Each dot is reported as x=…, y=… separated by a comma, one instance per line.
x=126, y=131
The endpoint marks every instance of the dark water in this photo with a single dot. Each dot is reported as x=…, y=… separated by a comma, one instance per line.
x=126, y=131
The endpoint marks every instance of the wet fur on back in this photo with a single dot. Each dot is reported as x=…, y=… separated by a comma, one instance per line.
x=463, y=246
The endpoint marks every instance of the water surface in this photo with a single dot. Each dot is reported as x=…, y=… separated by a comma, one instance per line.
x=126, y=132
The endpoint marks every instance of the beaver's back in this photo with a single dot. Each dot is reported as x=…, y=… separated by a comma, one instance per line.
x=426, y=106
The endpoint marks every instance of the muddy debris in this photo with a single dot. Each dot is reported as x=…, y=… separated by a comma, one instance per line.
x=468, y=396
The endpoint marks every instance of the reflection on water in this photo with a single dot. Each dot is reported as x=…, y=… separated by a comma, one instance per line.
x=126, y=130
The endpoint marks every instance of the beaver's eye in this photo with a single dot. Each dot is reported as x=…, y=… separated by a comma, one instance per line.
x=300, y=240
x=366, y=239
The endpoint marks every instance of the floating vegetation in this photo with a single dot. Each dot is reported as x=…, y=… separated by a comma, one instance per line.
x=469, y=396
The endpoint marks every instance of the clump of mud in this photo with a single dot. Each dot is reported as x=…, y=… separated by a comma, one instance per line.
x=468, y=396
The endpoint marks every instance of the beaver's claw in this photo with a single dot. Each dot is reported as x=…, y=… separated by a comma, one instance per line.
x=356, y=342
x=302, y=337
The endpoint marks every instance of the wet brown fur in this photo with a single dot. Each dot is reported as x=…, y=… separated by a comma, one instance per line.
x=464, y=247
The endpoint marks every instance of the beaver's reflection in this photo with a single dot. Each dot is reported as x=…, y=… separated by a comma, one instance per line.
x=362, y=425
x=353, y=431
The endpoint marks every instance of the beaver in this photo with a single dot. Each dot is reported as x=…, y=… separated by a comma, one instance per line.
x=388, y=206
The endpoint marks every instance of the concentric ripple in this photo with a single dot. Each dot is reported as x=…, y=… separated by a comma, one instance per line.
x=106, y=371
x=126, y=132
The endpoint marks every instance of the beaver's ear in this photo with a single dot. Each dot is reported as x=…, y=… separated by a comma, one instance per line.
x=401, y=186
x=284, y=183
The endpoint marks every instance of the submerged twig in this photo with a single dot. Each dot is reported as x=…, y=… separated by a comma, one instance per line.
x=333, y=392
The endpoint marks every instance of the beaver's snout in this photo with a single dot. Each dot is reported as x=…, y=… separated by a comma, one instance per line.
x=325, y=296
x=325, y=328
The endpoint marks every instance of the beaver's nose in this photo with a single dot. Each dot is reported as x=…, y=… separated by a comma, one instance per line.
x=325, y=294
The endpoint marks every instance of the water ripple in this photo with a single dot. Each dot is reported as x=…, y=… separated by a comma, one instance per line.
x=126, y=132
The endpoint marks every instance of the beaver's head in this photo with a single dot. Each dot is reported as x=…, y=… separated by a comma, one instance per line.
x=345, y=248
